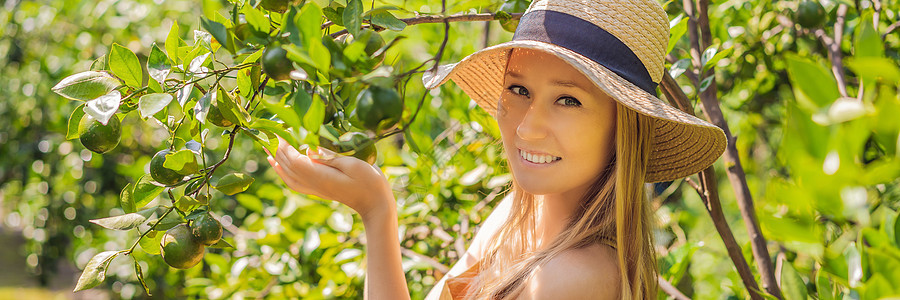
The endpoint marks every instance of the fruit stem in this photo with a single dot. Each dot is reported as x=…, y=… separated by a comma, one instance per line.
x=134, y=93
x=128, y=252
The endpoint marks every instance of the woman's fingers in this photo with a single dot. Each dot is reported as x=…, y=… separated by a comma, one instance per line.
x=289, y=180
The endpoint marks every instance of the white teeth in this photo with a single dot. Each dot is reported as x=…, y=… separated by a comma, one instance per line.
x=537, y=158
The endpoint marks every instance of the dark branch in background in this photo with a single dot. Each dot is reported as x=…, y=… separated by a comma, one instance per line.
x=433, y=19
x=734, y=170
x=709, y=193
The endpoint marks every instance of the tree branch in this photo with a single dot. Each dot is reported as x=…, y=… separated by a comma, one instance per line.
x=834, y=48
x=890, y=29
x=709, y=194
x=735, y=171
x=670, y=289
x=433, y=19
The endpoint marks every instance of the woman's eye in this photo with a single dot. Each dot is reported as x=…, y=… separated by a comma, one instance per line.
x=569, y=101
x=518, y=90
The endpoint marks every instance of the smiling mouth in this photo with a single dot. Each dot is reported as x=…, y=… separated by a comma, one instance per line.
x=538, y=158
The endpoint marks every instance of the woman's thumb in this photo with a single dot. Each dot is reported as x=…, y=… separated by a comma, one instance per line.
x=321, y=154
x=327, y=157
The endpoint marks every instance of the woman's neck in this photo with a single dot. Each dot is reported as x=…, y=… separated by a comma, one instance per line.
x=555, y=212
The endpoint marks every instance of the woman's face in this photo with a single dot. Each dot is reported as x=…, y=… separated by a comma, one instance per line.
x=557, y=126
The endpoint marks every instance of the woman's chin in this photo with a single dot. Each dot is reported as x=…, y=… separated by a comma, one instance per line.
x=537, y=186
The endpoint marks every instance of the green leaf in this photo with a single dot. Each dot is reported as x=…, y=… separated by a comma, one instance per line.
x=171, y=220
x=125, y=65
x=256, y=19
x=218, y=31
x=301, y=104
x=353, y=16
x=678, y=27
x=244, y=83
x=150, y=242
x=145, y=190
x=262, y=136
x=271, y=127
x=104, y=107
x=315, y=116
x=716, y=58
x=73, y=132
x=309, y=23
x=896, y=232
x=706, y=82
x=285, y=113
x=86, y=86
x=126, y=199
x=823, y=286
x=387, y=20
x=95, y=271
x=231, y=110
x=874, y=68
x=221, y=244
x=679, y=67
x=250, y=202
x=158, y=65
x=335, y=15
x=127, y=221
x=883, y=262
x=150, y=104
x=707, y=55
x=140, y=275
x=867, y=42
x=100, y=64
x=320, y=56
x=202, y=107
x=173, y=41
x=791, y=283
x=183, y=162
x=813, y=80
x=234, y=183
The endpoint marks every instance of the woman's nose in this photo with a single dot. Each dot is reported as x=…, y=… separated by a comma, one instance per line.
x=534, y=124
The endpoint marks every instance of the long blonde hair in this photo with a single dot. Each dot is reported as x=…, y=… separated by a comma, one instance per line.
x=614, y=207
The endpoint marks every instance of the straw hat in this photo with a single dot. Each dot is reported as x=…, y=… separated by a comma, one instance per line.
x=620, y=46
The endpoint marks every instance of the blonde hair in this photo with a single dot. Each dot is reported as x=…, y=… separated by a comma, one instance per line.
x=614, y=207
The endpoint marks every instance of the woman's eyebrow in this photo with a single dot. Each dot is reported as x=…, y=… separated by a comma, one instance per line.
x=569, y=84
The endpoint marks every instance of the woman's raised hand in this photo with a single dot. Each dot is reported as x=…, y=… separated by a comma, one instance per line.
x=345, y=179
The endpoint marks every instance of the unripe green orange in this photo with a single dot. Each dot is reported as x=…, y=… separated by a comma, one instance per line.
x=276, y=64
x=160, y=173
x=378, y=108
x=98, y=137
x=206, y=230
x=810, y=14
x=179, y=249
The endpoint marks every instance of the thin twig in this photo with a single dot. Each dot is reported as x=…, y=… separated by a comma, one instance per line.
x=435, y=19
x=430, y=261
x=670, y=289
x=834, y=48
x=890, y=29
x=127, y=252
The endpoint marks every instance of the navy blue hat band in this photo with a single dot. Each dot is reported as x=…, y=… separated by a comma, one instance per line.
x=587, y=39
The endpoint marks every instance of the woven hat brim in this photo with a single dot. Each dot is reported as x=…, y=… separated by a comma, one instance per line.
x=683, y=144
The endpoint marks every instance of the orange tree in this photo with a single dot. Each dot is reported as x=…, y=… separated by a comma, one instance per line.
x=807, y=89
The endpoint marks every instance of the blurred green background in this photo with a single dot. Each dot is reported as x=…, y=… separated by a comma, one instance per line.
x=823, y=169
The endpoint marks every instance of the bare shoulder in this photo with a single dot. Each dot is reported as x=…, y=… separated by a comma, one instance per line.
x=587, y=273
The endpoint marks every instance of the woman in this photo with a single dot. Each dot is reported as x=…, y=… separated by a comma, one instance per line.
x=574, y=98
